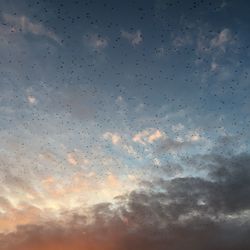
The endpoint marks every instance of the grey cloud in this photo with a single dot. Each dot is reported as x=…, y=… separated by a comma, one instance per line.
x=182, y=213
x=135, y=38
x=96, y=41
x=172, y=169
x=171, y=145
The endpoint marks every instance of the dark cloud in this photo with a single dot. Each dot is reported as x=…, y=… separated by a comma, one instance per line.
x=182, y=213
x=172, y=169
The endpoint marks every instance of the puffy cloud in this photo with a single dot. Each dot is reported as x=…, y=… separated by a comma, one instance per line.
x=25, y=25
x=148, y=136
x=32, y=99
x=135, y=38
x=155, y=136
x=96, y=41
x=113, y=137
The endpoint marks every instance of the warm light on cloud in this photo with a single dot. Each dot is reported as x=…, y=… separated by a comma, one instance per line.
x=124, y=125
x=71, y=158
x=119, y=141
x=112, y=180
x=148, y=136
x=113, y=137
x=32, y=100
x=194, y=136
x=155, y=136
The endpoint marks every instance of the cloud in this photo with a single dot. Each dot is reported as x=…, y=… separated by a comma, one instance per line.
x=21, y=214
x=182, y=213
x=113, y=180
x=155, y=136
x=148, y=136
x=177, y=127
x=96, y=41
x=71, y=158
x=179, y=143
x=135, y=38
x=113, y=137
x=222, y=38
x=194, y=136
x=183, y=40
x=25, y=25
x=120, y=141
x=172, y=145
x=172, y=169
x=32, y=99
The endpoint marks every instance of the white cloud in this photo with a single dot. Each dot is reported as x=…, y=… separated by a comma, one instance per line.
x=156, y=162
x=96, y=41
x=25, y=25
x=119, y=99
x=222, y=38
x=182, y=40
x=32, y=99
x=214, y=66
x=135, y=38
x=177, y=127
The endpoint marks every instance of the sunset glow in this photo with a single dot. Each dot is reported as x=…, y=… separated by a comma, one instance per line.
x=124, y=125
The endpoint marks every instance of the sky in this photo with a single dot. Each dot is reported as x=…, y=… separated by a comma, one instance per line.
x=124, y=125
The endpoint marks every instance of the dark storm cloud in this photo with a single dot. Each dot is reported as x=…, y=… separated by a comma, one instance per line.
x=182, y=213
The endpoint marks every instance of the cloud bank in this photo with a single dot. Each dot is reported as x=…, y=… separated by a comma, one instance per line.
x=203, y=212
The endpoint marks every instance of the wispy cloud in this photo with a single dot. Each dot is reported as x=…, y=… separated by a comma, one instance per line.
x=25, y=25
x=224, y=37
x=134, y=38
